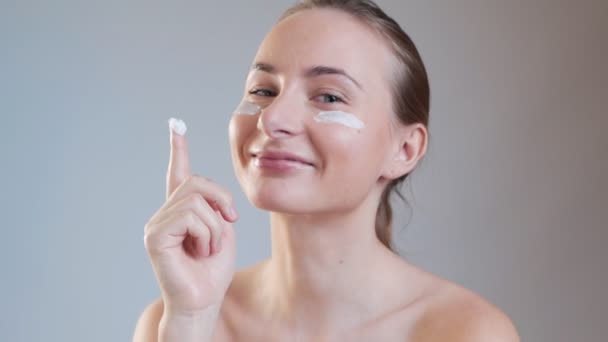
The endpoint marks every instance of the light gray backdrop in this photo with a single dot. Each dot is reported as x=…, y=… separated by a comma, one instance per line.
x=510, y=202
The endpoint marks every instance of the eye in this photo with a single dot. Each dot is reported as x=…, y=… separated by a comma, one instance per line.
x=330, y=98
x=262, y=92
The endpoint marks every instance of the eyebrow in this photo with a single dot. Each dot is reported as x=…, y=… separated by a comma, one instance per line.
x=315, y=71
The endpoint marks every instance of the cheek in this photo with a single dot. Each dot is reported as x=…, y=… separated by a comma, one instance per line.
x=240, y=129
x=349, y=153
x=233, y=132
x=338, y=145
x=351, y=162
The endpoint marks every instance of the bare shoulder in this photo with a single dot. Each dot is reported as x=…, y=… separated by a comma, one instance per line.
x=146, y=329
x=456, y=314
x=147, y=324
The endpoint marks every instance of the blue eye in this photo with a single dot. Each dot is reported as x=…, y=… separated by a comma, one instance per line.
x=262, y=92
x=329, y=98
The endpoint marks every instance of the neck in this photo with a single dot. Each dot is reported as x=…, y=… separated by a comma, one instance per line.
x=323, y=269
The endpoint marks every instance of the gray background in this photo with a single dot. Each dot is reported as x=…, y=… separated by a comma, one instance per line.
x=509, y=202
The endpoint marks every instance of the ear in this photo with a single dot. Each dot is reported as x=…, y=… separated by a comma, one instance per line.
x=409, y=146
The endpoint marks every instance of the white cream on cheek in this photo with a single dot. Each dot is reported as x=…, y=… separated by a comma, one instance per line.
x=247, y=108
x=339, y=117
x=343, y=118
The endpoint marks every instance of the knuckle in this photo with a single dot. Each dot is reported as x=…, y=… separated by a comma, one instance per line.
x=202, y=232
x=215, y=224
x=228, y=198
x=150, y=226
x=190, y=218
x=189, y=179
x=147, y=227
x=200, y=178
x=199, y=205
x=217, y=196
x=207, y=231
x=149, y=241
x=196, y=198
x=224, y=198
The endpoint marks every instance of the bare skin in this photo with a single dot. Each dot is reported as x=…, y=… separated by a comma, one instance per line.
x=411, y=305
x=436, y=310
x=329, y=278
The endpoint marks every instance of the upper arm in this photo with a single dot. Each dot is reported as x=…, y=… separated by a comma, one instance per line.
x=466, y=318
x=146, y=329
x=493, y=326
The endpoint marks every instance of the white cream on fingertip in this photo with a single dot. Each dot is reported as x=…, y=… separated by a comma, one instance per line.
x=178, y=126
x=343, y=118
x=247, y=108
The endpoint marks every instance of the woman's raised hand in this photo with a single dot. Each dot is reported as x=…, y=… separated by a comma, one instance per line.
x=190, y=239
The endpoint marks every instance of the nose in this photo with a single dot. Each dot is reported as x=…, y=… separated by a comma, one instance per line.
x=282, y=118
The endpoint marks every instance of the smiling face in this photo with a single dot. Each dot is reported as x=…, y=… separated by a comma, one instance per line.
x=315, y=72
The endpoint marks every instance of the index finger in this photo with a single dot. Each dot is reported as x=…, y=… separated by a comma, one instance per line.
x=179, y=163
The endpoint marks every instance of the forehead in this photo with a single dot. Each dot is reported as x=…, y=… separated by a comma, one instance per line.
x=325, y=37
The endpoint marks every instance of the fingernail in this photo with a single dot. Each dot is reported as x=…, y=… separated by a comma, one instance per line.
x=178, y=126
x=233, y=213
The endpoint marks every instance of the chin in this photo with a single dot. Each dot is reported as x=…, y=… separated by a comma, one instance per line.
x=283, y=199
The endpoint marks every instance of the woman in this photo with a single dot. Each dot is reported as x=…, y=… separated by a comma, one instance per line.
x=334, y=117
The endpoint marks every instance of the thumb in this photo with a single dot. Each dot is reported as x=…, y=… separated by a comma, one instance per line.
x=179, y=163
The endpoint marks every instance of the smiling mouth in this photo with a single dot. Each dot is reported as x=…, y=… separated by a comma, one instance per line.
x=289, y=159
x=279, y=163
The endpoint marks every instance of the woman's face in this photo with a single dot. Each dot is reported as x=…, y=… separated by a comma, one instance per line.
x=315, y=61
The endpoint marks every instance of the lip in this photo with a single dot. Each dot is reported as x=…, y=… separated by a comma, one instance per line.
x=279, y=160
